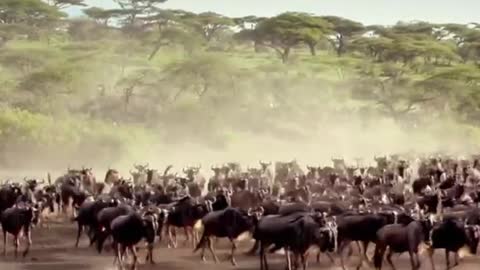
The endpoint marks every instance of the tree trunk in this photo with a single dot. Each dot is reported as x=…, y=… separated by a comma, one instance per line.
x=285, y=54
x=256, y=46
x=341, y=46
x=311, y=46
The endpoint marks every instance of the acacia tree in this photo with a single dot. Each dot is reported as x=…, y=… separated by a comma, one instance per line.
x=99, y=15
x=392, y=90
x=207, y=24
x=61, y=4
x=343, y=31
x=288, y=30
x=29, y=12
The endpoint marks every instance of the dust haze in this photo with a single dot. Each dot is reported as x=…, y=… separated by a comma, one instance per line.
x=312, y=140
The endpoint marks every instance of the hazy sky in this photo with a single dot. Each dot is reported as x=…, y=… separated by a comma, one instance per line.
x=366, y=11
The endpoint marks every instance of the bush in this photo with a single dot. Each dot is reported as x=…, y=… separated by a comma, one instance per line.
x=40, y=140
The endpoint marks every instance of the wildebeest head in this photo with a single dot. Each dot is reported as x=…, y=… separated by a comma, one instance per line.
x=327, y=238
x=382, y=162
x=30, y=212
x=150, y=225
x=141, y=168
x=264, y=166
x=472, y=233
x=192, y=171
x=338, y=163
x=31, y=184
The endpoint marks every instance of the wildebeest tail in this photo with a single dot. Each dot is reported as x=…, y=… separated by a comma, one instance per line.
x=378, y=256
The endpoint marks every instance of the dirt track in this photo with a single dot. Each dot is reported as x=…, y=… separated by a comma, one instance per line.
x=53, y=249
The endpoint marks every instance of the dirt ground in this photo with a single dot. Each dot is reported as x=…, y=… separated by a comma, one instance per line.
x=53, y=249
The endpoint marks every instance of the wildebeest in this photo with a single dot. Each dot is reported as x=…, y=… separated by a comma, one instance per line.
x=129, y=230
x=452, y=234
x=16, y=219
x=104, y=218
x=363, y=228
x=87, y=215
x=399, y=238
x=296, y=233
x=230, y=223
x=9, y=192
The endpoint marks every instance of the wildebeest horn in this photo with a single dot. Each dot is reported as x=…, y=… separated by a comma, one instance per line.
x=41, y=182
x=146, y=165
x=25, y=179
x=49, y=177
x=131, y=172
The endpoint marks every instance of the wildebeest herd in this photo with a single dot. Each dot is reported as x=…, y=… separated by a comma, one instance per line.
x=399, y=205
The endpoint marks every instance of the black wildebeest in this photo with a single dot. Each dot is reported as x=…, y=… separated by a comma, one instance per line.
x=16, y=219
x=87, y=215
x=184, y=214
x=363, y=228
x=129, y=230
x=452, y=234
x=104, y=219
x=296, y=233
x=230, y=223
x=399, y=238
x=9, y=192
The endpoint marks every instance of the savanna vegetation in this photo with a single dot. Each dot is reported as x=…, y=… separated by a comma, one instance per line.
x=124, y=83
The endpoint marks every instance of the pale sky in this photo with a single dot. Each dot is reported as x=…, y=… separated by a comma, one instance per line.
x=365, y=11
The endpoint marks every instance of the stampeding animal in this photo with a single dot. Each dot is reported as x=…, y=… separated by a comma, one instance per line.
x=452, y=234
x=128, y=230
x=398, y=238
x=87, y=215
x=295, y=233
x=364, y=228
x=229, y=223
x=104, y=219
x=15, y=220
x=9, y=192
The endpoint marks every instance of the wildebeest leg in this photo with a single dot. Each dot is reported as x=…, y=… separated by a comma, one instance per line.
x=116, y=252
x=447, y=258
x=365, y=249
x=121, y=251
x=430, y=252
x=287, y=255
x=187, y=238
x=79, y=232
x=330, y=257
x=456, y=259
x=341, y=247
x=389, y=259
x=28, y=233
x=234, y=247
x=150, y=253
x=417, y=260
x=16, y=244
x=263, y=258
x=303, y=257
x=412, y=260
x=212, y=250
x=254, y=249
x=133, y=249
x=4, y=242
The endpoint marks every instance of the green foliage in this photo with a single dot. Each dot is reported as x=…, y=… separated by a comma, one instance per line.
x=26, y=11
x=287, y=30
x=125, y=78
